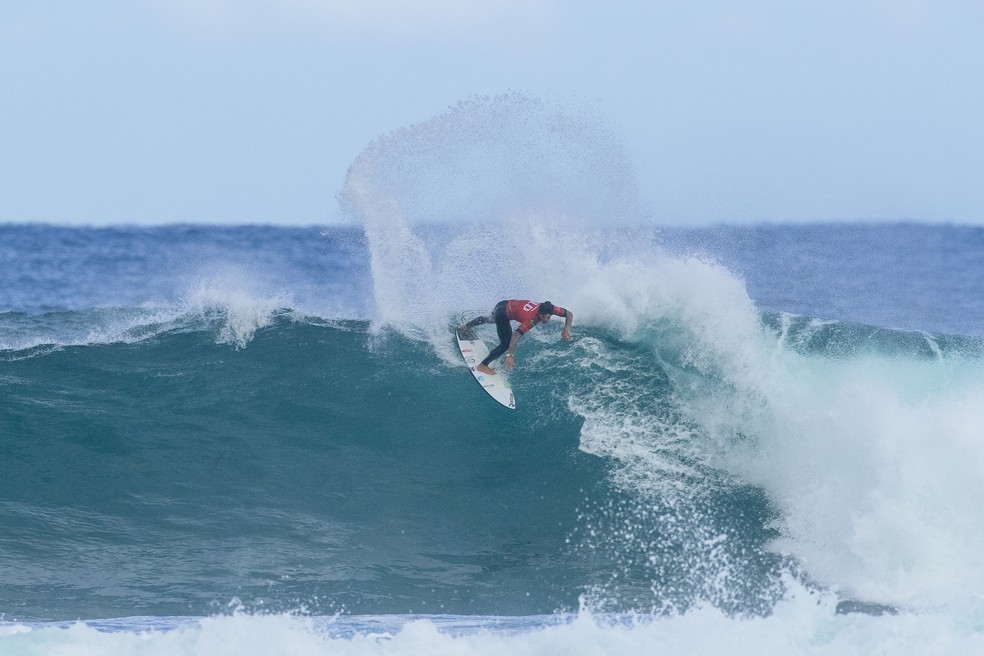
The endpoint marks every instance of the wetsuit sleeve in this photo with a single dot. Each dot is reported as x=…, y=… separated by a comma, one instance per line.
x=559, y=311
x=523, y=327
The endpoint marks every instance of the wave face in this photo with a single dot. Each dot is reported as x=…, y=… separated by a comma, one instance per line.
x=310, y=467
x=307, y=468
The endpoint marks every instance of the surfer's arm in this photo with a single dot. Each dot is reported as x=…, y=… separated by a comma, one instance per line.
x=568, y=320
x=511, y=351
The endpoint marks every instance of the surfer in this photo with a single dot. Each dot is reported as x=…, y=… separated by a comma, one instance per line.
x=528, y=314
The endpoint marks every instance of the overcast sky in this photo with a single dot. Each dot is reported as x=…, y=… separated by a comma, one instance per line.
x=251, y=111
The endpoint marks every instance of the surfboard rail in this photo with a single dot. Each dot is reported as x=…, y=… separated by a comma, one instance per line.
x=473, y=350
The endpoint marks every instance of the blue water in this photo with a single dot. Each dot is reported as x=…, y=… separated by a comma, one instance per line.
x=261, y=440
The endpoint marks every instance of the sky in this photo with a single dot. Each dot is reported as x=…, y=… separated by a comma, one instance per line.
x=251, y=111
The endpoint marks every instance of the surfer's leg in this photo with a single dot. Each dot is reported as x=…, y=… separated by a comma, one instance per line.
x=504, y=328
x=488, y=318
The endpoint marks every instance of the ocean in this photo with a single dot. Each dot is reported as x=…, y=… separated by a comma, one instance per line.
x=215, y=441
x=255, y=440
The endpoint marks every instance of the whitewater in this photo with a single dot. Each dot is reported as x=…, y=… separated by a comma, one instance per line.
x=255, y=439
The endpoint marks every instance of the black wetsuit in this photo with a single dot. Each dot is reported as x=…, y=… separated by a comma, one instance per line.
x=502, y=326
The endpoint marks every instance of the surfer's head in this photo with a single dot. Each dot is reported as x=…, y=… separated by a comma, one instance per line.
x=545, y=311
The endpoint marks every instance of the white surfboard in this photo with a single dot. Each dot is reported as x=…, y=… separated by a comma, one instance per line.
x=474, y=350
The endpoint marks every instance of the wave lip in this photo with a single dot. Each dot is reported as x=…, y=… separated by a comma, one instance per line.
x=229, y=303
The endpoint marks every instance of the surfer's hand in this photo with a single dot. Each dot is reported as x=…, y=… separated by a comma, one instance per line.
x=510, y=361
x=566, y=334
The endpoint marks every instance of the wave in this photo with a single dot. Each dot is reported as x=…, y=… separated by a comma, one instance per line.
x=705, y=447
x=79, y=286
x=229, y=302
x=371, y=468
x=689, y=464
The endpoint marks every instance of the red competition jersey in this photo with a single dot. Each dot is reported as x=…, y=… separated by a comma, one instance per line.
x=525, y=312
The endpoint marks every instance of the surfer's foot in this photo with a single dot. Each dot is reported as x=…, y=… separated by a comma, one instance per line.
x=486, y=369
